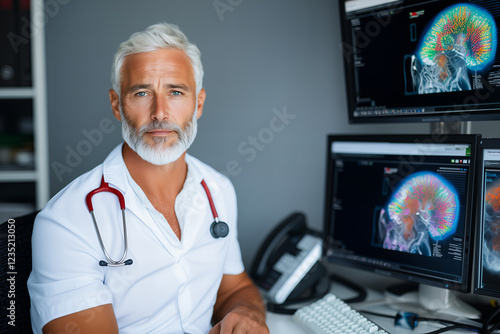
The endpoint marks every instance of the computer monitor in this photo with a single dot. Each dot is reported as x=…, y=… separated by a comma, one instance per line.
x=487, y=264
x=402, y=206
x=421, y=60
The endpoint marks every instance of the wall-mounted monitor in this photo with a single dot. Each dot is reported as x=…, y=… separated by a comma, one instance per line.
x=421, y=60
x=487, y=268
x=402, y=206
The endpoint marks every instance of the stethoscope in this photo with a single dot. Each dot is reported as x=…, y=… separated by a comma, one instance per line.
x=218, y=229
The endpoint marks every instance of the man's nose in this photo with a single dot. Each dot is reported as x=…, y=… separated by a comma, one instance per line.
x=160, y=108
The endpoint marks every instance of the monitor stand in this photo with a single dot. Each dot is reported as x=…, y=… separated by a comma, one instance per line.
x=414, y=297
x=448, y=128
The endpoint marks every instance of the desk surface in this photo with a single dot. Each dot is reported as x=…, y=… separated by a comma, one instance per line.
x=279, y=323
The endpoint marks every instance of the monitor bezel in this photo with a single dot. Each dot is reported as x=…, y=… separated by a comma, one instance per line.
x=466, y=284
x=464, y=112
x=484, y=143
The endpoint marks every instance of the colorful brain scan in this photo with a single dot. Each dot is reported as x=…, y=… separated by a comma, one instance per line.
x=425, y=203
x=464, y=28
x=492, y=197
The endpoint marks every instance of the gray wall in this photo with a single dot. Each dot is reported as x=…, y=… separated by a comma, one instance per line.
x=261, y=57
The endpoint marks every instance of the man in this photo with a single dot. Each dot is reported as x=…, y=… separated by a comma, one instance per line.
x=180, y=277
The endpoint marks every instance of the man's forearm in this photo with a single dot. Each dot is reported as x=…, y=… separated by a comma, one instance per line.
x=245, y=298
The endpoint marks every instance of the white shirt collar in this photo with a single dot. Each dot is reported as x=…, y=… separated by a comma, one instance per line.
x=116, y=174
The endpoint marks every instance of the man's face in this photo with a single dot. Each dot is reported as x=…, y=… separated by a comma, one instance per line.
x=158, y=106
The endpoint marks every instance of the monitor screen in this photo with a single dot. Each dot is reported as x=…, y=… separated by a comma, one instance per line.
x=401, y=206
x=487, y=268
x=421, y=60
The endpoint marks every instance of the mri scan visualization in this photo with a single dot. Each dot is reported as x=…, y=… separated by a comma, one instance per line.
x=422, y=210
x=461, y=38
x=491, y=237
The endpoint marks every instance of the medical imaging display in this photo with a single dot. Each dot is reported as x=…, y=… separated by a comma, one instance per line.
x=491, y=233
x=461, y=38
x=406, y=210
x=424, y=208
x=421, y=60
x=488, y=236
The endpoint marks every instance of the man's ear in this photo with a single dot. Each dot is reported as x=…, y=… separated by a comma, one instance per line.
x=114, y=99
x=202, y=95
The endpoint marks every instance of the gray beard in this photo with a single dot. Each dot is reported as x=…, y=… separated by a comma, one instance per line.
x=156, y=154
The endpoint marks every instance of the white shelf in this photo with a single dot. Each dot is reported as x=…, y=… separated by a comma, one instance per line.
x=18, y=176
x=17, y=93
x=37, y=93
x=40, y=104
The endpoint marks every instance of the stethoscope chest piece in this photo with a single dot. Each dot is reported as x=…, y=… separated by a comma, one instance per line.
x=219, y=229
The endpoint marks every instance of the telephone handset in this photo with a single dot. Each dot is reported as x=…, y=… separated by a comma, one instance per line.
x=286, y=266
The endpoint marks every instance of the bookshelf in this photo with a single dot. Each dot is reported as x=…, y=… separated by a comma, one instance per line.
x=24, y=171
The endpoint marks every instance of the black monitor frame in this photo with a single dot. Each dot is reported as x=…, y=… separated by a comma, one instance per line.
x=458, y=106
x=379, y=265
x=483, y=280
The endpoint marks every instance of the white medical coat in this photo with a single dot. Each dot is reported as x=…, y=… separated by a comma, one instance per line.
x=172, y=284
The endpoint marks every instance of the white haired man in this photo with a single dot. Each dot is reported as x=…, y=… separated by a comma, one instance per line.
x=181, y=275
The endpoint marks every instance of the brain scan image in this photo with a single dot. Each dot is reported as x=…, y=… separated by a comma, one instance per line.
x=461, y=38
x=491, y=233
x=423, y=209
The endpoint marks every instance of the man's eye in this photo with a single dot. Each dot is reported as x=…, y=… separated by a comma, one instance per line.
x=141, y=94
x=176, y=93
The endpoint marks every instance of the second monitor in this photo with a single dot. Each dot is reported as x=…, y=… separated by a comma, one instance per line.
x=487, y=264
x=401, y=206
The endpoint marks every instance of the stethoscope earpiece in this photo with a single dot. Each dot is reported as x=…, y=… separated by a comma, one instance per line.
x=219, y=229
x=103, y=263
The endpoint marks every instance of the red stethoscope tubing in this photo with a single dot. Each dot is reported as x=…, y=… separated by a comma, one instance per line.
x=212, y=206
x=104, y=187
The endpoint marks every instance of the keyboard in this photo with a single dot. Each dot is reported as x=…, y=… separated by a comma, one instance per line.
x=331, y=314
